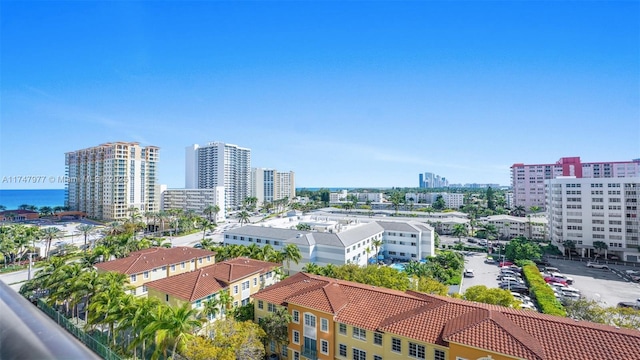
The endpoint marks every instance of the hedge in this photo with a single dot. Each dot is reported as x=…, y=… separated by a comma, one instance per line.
x=542, y=292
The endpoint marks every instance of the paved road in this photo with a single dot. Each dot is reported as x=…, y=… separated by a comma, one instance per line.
x=485, y=274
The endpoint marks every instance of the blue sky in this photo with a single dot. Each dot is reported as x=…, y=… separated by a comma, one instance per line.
x=353, y=94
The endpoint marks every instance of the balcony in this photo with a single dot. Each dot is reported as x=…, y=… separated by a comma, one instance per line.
x=310, y=353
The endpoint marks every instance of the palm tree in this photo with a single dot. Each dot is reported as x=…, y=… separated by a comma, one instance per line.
x=519, y=211
x=225, y=301
x=377, y=244
x=600, y=245
x=460, y=230
x=244, y=217
x=569, y=245
x=51, y=233
x=45, y=210
x=86, y=229
x=206, y=225
x=291, y=252
x=212, y=212
x=312, y=268
x=396, y=199
x=173, y=325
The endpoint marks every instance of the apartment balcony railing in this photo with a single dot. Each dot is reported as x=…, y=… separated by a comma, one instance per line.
x=309, y=353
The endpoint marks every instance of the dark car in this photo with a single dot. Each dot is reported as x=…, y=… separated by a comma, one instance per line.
x=542, y=262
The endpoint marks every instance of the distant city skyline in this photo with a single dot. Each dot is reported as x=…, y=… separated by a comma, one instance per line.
x=344, y=94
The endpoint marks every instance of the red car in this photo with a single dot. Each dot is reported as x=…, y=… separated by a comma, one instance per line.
x=550, y=279
x=505, y=263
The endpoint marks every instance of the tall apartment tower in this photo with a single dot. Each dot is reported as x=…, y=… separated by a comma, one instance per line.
x=528, y=181
x=106, y=180
x=431, y=181
x=268, y=185
x=585, y=210
x=220, y=164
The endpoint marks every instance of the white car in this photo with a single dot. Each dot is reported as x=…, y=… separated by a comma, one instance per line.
x=468, y=273
x=632, y=272
x=562, y=276
x=595, y=265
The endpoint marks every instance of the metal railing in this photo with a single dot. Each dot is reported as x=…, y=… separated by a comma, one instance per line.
x=91, y=342
x=26, y=333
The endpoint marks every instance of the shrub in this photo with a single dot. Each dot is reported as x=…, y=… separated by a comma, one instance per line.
x=542, y=292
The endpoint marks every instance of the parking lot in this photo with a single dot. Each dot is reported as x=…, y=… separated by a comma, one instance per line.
x=605, y=286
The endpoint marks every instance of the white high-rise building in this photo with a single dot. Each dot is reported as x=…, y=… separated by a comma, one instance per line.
x=586, y=210
x=219, y=164
x=105, y=181
x=268, y=185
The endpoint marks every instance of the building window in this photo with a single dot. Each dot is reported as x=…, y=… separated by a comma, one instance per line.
x=260, y=304
x=342, y=349
x=309, y=320
x=145, y=275
x=396, y=345
x=416, y=351
x=166, y=297
x=296, y=316
x=133, y=278
x=173, y=268
x=359, y=354
x=144, y=288
x=284, y=351
x=360, y=334
x=342, y=329
x=324, y=325
x=296, y=355
x=296, y=337
x=182, y=265
x=209, y=258
x=255, y=281
x=235, y=289
x=438, y=355
x=377, y=357
x=271, y=307
x=200, y=261
x=198, y=303
x=324, y=346
x=377, y=338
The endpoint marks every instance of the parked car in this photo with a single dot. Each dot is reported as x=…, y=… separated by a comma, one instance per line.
x=482, y=242
x=490, y=261
x=595, y=265
x=551, y=269
x=468, y=273
x=613, y=257
x=635, y=278
x=472, y=240
x=521, y=289
x=562, y=276
x=505, y=263
x=632, y=272
x=630, y=304
x=542, y=262
x=550, y=279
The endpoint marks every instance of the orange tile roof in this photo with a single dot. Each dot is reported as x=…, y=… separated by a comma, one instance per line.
x=211, y=279
x=152, y=258
x=441, y=320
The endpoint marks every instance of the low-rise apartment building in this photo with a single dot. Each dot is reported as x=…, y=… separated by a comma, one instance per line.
x=196, y=200
x=151, y=264
x=241, y=277
x=335, y=319
x=406, y=240
x=509, y=227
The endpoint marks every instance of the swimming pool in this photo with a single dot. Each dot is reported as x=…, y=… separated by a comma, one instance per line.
x=398, y=266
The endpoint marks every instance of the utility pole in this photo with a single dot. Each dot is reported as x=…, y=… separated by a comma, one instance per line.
x=29, y=273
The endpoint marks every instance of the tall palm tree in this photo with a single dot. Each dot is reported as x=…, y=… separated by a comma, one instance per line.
x=51, y=233
x=205, y=225
x=225, y=301
x=291, y=252
x=244, y=217
x=519, y=211
x=377, y=244
x=86, y=230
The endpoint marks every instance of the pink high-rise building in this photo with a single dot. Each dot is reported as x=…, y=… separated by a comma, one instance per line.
x=528, y=181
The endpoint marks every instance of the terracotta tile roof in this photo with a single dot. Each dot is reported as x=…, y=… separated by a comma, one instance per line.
x=211, y=279
x=440, y=320
x=152, y=258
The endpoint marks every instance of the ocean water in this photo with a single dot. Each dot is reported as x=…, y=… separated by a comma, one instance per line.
x=11, y=199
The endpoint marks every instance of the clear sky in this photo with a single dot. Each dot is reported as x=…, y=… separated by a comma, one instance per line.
x=346, y=94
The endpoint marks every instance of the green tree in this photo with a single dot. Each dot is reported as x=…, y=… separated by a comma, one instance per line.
x=397, y=199
x=244, y=217
x=490, y=199
x=51, y=233
x=238, y=340
x=495, y=296
x=522, y=249
x=303, y=227
x=600, y=245
x=275, y=326
x=173, y=325
x=460, y=230
x=439, y=204
x=570, y=246
x=86, y=230
x=519, y=211
x=291, y=252
x=431, y=286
